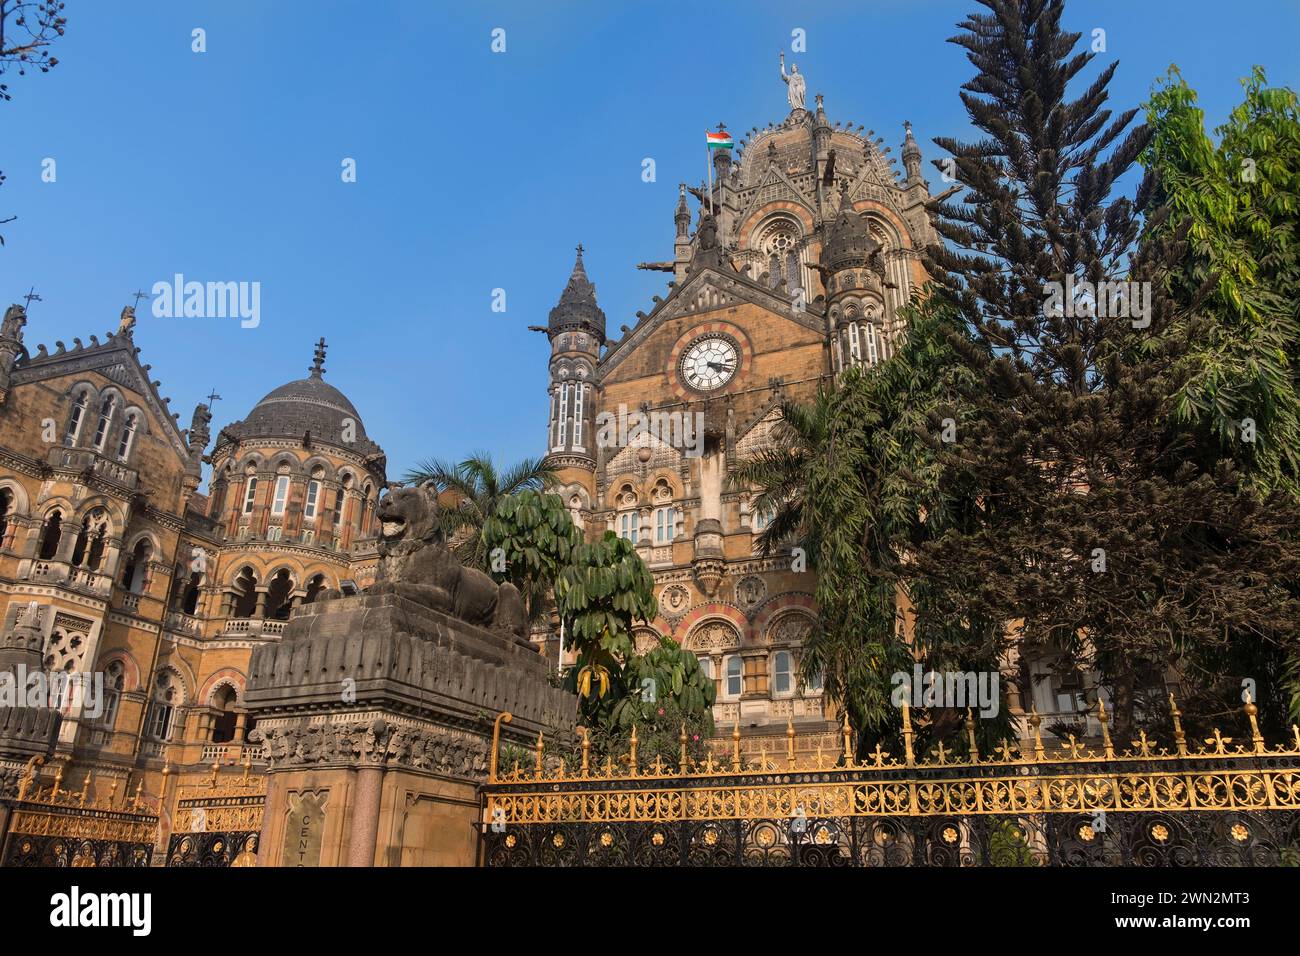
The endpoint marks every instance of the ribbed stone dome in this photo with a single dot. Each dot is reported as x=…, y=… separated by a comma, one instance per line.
x=306, y=405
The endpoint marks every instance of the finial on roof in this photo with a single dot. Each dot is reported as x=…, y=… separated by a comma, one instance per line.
x=318, y=363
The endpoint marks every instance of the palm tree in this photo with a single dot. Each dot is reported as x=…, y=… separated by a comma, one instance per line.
x=479, y=487
x=779, y=470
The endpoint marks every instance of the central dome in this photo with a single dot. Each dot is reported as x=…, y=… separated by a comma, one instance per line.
x=307, y=406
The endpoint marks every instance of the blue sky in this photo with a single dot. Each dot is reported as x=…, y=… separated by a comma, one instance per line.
x=475, y=170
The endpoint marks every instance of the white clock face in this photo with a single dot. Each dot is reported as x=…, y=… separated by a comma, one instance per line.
x=709, y=363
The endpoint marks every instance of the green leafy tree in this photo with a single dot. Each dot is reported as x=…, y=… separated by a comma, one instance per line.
x=479, y=488
x=857, y=473
x=536, y=538
x=599, y=594
x=1100, y=536
x=1238, y=202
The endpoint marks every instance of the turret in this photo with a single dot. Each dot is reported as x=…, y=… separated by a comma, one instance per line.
x=911, y=157
x=853, y=272
x=576, y=328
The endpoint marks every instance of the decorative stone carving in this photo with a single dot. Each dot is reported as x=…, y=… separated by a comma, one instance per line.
x=376, y=742
x=791, y=628
x=750, y=591
x=674, y=601
x=713, y=636
x=415, y=562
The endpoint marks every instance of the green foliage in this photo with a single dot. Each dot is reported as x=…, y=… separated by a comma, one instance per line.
x=479, y=488
x=599, y=594
x=1238, y=204
x=680, y=689
x=537, y=538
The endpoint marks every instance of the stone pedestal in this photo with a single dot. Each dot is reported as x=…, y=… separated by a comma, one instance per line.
x=377, y=713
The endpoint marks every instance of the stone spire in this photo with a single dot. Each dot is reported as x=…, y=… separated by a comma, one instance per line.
x=318, y=360
x=911, y=156
x=577, y=308
x=682, y=215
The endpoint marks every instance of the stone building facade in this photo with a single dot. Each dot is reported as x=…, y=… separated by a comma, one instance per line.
x=113, y=563
x=807, y=245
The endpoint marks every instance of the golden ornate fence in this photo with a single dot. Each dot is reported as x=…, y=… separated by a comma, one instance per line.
x=1211, y=801
x=218, y=823
x=58, y=827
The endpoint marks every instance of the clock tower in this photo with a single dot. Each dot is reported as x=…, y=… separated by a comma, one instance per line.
x=803, y=255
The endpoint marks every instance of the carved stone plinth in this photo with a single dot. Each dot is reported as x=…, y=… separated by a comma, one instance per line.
x=379, y=711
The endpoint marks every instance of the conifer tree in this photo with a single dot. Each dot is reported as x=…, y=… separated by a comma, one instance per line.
x=1100, y=539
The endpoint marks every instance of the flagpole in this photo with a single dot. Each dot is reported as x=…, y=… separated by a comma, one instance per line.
x=708, y=171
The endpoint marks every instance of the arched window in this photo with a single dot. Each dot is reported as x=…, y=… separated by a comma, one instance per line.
x=106, y=410
x=779, y=243
x=114, y=681
x=735, y=681
x=6, y=510
x=88, y=550
x=313, y=497
x=870, y=331
x=245, y=590
x=281, y=496
x=628, y=526
x=665, y=524
x=763, y=517
x=706, y=667
x=314, y=588
x=781, y=680
x=250, y=493
x=814, y=684
x=278, y=604
x=338, y=507
x=855, y=347
x=225, y=720
x=162, y=710
x=50, y=536
x=127, y=440
x=76, y=418
x=136, y=569
x=190, y=600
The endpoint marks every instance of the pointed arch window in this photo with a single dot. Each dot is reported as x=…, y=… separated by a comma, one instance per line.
x=869, y=330
x=50, y=536
x=855, y=346
x=76, y=418
x=6, y=512
x=250, y=493
x=114, y=682
x=628, y=526
x=162, y=710
x=107, y=408
x=127, y=441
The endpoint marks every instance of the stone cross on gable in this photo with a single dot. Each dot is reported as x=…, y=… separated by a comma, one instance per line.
x=31, y=297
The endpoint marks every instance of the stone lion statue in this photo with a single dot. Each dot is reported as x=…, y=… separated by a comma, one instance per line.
x=415, y=563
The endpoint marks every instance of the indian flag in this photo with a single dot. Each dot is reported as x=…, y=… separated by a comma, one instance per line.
x=719, y=140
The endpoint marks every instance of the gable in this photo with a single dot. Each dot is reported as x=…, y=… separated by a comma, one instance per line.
x=115, y=361
x=702, y=294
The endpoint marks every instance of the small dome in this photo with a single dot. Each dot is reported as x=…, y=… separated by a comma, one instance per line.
x=307, y=405
x=577, y=308
x=849, y=243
